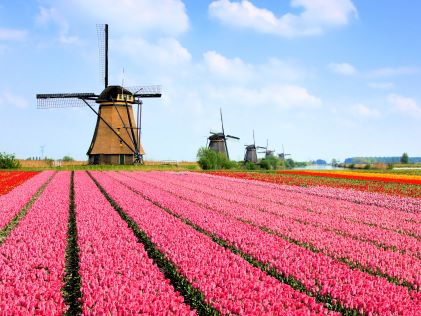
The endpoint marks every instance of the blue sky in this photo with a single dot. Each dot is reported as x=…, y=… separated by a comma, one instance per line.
x=325, y=78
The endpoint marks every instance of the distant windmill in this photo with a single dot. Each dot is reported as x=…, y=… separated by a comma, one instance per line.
x=250, y=154
x=218, y=141
x=283, y=155
x=116, y=138
x=268, y=152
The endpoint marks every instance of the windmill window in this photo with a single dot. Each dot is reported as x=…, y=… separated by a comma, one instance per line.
x=118, y=131
x=121, y=143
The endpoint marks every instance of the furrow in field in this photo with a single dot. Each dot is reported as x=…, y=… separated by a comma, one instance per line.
x=384, y=239
x=117, y=276
x=32, y=257
x=322, y=276
x=228, y=282
x=396, y=267
x=14, y=201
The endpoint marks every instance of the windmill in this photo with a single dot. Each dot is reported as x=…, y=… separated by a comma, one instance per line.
x=283, y=155
x=218, y=141
x=250, y=154
x=268, y=152
x=116, y=138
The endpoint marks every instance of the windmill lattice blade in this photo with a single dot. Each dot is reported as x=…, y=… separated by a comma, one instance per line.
x=61, y=102
x=153, y=91
x=100, y=32
x=234, y=137
x=65, y=95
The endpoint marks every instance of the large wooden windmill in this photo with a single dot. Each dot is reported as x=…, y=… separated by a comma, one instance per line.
x=218, y=141
x=116, y=138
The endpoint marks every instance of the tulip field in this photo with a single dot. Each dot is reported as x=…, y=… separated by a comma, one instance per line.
x=189, y=243
x=11, y=179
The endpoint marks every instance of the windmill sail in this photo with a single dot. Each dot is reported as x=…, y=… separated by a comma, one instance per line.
x=102, y=34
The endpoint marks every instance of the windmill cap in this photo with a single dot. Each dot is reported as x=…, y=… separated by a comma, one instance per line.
x=110, y=93
x=216, y=136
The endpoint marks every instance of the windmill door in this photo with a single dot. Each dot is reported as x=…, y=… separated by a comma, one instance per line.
x=121, y=159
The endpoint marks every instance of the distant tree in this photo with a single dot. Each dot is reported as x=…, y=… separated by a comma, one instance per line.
x=405, y=158
x=289, y=163
x=210, y=159
x=67, y=158
x=8, y=161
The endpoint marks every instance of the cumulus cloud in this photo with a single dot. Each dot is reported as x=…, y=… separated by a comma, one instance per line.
x=342, y=69
x=12, y=34
x=365, y=111
x=235, y=69
x=315, y=18
x=405, y=105
x=283, y=96
x=164, y=52
x=8, y=99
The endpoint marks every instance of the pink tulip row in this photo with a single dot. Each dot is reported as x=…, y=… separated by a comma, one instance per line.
x=32, y=258
x=12, y=202
x=227, y=281
x=117, y=275
x=352, y=288
x=387, y=218
x=394, y=264
x=243, y=197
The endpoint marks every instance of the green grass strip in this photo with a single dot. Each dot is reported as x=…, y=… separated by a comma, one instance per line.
x=6, y=230
x=192, y=296
x=326, y=300
x=72, y=282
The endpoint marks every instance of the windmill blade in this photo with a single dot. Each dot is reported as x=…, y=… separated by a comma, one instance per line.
x=222, y=121
x=233, y=137
x=102, y=33
x=153, y=91
x=65, y=100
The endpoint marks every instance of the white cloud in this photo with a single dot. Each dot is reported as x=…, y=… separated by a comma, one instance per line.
x=381, y=85
x=235, y=69
x=394, y=71
x=8, y=99
x=342, y=69
x=405, y=105
x=51, y=15
x=131, y=17
x=12, y=34
x=165, y=52
x=316, y=18
x=365, y=111
x=283, y=96
x=227, y=68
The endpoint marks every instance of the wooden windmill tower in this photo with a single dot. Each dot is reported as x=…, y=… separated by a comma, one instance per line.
x=251, y=152
x=116, y=138
x=268, y=152
x=218, y=141
x=283, y=155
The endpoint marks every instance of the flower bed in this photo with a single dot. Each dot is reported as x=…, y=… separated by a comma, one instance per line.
x=392, y=186
x=11, y=179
